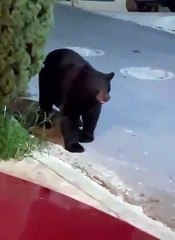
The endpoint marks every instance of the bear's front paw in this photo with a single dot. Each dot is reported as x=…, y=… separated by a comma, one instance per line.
x=75, y=147
x=86, y=138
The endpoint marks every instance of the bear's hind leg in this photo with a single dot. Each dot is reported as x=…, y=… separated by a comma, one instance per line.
x=90, y=119
x=45, y=110
x=46, y=92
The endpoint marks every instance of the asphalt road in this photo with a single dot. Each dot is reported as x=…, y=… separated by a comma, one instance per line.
x=136, y=128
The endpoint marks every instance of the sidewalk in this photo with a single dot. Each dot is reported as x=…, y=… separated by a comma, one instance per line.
x=164, y=21
x=160, y=21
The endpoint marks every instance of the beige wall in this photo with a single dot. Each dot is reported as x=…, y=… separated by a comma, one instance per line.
x=117, y=5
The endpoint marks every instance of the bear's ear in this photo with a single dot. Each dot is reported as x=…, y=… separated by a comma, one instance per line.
x=109, y=76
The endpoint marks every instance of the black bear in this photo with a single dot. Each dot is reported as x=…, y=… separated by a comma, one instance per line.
x=70, y=83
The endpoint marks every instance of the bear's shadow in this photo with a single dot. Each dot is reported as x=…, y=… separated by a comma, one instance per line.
x=25, y=111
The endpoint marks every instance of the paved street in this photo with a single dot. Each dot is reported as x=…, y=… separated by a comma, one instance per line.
x=136, y=129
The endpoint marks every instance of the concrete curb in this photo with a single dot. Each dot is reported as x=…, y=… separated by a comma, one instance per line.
x=116, y=207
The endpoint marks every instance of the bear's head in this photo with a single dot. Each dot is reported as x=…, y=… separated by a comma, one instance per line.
x=98, y=85
x=93, y=84
x=103, y=87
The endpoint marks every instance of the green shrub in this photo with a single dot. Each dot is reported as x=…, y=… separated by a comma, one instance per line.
x=24, y=27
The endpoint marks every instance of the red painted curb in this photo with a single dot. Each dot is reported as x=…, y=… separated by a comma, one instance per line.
x=31, y=212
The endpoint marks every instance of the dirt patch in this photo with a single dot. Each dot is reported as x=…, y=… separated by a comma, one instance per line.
x=29, y=108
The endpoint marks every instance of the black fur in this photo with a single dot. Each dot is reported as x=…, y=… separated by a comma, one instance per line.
x=69, y=82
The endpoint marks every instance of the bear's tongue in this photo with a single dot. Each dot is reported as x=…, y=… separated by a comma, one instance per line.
x=102, y=102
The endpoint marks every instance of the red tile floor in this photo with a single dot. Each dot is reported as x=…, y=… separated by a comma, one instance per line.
x=31, y=212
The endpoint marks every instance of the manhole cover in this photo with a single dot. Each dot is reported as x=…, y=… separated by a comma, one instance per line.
x=87, y=52
x=147, y=73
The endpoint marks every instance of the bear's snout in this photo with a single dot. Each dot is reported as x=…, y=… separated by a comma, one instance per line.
x=103, y=97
